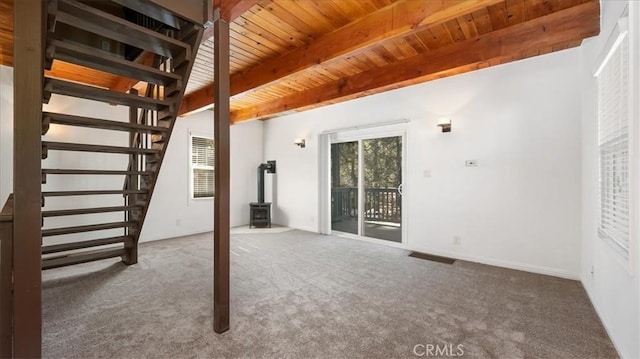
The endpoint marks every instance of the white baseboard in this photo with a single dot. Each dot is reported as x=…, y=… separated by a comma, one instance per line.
x=300, y=228
x=145, y=239
x=502, y=263
x=554, y=272
x=604, y=324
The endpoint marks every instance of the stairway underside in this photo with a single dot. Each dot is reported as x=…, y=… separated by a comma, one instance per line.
x=128, y=39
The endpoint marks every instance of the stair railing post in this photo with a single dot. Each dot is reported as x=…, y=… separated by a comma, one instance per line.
x=132, y=185
x=6, y=280
x=221, y=245
x=30, y=18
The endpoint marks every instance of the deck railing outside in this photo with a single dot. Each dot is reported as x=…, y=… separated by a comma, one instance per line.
x=381, y=204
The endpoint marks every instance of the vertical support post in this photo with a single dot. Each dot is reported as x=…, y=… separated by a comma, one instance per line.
x=132, y=184
x=29, y=42
x=222, y=178
x=6, y=281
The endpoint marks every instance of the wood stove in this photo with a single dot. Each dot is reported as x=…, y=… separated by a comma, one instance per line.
x=260, y=212
x=260, y=215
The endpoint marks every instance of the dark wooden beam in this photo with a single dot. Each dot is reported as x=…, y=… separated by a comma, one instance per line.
x=29, y=32
x=221, y=113
x=557, y=30
x=399, y=19
x=6, y=280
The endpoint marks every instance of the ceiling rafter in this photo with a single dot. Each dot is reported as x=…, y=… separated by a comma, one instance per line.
x=399, y=19
x=285, y=51
x=556, y=30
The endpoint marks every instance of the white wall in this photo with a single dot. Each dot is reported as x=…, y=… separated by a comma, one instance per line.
x=521, y=121
x=614, y=285
x=171, y=211
x=247, y=150
x=84, y=160
x=6, y=133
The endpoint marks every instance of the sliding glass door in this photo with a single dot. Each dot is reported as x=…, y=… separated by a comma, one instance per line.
x=344, y=187
x=382, y=177
x=366, y=187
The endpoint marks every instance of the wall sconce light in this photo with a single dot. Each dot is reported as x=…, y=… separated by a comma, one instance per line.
x=300, y=142
x=445, y=123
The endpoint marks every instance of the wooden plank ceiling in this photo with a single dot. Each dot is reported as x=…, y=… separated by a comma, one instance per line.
x=292, y=55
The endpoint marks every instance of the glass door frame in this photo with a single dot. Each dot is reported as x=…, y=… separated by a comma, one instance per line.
x=359, y=135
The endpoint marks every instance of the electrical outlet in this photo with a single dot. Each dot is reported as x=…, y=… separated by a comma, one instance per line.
x=457, y=240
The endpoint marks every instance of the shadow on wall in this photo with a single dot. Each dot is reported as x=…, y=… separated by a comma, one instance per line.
x=465, y=97
x=278, y=216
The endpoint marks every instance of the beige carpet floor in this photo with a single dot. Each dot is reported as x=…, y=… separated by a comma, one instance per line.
x=302, y=295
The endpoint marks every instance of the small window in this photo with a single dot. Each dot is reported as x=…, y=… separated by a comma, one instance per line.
x=614, y=144
x=202, y=167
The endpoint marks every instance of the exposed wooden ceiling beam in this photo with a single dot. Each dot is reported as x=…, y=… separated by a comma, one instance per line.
x=560, y=28
x=399, y=19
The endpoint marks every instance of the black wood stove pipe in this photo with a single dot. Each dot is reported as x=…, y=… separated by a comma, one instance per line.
x=269, y=167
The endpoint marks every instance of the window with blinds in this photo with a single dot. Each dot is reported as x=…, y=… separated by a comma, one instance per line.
x=613, y=140
x=202, y=167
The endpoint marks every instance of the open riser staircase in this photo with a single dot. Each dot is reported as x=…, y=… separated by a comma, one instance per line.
x=132, y=39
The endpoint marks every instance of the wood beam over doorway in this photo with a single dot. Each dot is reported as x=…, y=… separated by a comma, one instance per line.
x=222, y=114
x=29, y=32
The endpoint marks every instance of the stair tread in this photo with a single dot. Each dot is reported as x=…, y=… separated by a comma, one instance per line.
x=56, y=262
x=105, y=62
x=90, y=19
x=81, y=147
x=55, y=171
x=151, y=10
x=90, y=192
x=85, y=228
x=71, y=120
x=84, y=244
x=73, y=89
x=77, y=211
